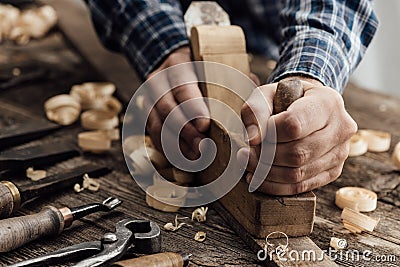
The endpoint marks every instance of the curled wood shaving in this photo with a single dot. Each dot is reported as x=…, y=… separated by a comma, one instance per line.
x=200, y=236
x=88, y=183
x=396, y=155
x=96, y=95
x=176, y=226
x=378, y=141
x=94, y=141
x=35, y=175
x=338, y=243
x=62, y=109
x=20, y=27
x=357, y=222
x=165, y=197
x=358, y=145
x=78, y=188
x=356, y=198
x=144, y=158
x=99, y=120
x=199, y=214
x=135, y=142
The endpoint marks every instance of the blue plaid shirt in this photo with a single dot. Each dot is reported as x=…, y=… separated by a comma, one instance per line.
x=324, y=39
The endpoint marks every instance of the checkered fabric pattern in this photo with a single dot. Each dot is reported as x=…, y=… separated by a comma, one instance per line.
x=324, y=39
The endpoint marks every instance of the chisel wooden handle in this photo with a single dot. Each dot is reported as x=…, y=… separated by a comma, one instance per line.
x=17, y=231
x=287, y=91
x=9, y=196
x=166, y=259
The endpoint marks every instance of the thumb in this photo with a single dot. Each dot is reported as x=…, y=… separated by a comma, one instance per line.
x=256, y=111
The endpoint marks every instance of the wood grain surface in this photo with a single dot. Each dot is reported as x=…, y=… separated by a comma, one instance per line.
x=222, y=247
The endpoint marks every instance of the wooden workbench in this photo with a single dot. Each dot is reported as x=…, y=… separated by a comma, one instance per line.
x=67, y=66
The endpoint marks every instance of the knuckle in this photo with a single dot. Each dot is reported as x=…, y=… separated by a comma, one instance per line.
x=299, y=188
x=163, y=108
x=246, y=110
x=335, y=173
x=295, y=175
x=298, y=156
x=293, y=127
x=336, y=99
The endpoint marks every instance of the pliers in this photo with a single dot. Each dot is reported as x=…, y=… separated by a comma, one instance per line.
x=137, y=236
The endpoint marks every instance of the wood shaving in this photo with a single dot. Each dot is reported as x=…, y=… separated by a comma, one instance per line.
x=22, y=26
x=378, y=141
x=338, y=243
x=356, y=198
x=144, y=158
x=96, y=95
x=167, y=198
x=94, y=141
x=176, y=226
x=88, y=183
x=99, y=120
x=200, y=236
x=199, y=214
x=134, y=142
x=62, y=109
x=35, y=175
x=356, y=222
x=358, y=145
x=78, y=188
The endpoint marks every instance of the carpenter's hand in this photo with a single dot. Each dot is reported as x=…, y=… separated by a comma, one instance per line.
x=313, y=138
x=192, y=132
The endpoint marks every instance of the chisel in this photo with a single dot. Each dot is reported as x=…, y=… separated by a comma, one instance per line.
x=50, y=221
x=24, y=132
x=13, y=196
x=20, y=159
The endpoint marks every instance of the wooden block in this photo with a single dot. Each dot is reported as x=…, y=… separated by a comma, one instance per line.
x=297, y=246
x=212, y=39
x=257, y=213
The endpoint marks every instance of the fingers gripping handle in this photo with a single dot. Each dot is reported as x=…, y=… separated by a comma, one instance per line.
x=17, y=231
x=287, y=92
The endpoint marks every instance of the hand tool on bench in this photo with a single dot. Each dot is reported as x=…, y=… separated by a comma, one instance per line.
x=39, y=155
x=131, y=236
x=12, y=196
x=17, y=231
x=23, y=132
x=165, y=259
x=23, y=127
x=252, y=215
x=259, y=213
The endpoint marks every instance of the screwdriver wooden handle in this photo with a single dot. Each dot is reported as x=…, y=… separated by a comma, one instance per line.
x=7, y=199
x=165, y=259
x=287, y=91
x=17, y=231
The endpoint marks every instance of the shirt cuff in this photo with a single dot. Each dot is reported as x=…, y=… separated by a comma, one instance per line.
x=152, y=36
x=315, y=54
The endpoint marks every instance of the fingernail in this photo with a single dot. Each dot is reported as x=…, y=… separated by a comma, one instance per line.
x=252, y=131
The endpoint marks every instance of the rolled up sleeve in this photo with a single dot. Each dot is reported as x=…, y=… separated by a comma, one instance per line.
x=324, y=39
x=145, y=31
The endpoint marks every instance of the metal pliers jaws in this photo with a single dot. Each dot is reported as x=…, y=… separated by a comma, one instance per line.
x=137, y=236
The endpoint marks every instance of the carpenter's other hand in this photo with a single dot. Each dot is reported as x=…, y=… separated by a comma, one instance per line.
x=312, y=138
x=172, y=96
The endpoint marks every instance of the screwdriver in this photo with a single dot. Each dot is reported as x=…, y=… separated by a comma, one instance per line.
x=13, y=196
x=17, y=231
x=165, y=259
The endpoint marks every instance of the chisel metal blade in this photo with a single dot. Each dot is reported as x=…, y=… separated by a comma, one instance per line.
x=22, y=133
x=20, y=159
